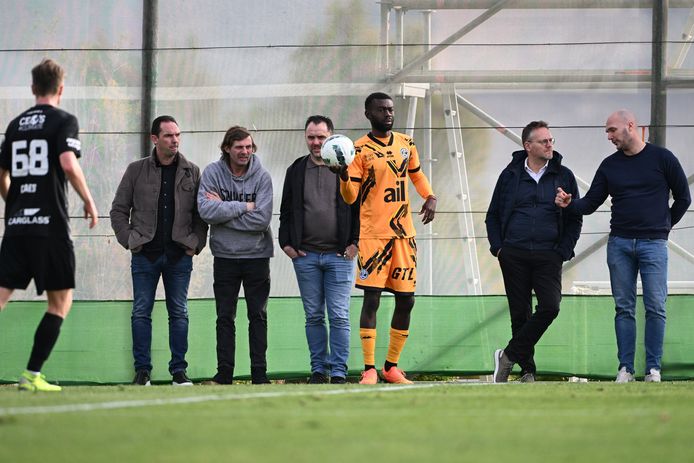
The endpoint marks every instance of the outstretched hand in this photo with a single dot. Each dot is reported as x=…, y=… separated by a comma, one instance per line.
x=563, y=198
x=428, y=210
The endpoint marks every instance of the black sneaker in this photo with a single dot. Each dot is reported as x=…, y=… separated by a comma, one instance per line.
x=260, y=380
x=142, y=378
x=318, y=378
x=221, y=379
x=181, y=379
x=259, y=375
x=527, y=378
x=502, y=367
x=338, y=380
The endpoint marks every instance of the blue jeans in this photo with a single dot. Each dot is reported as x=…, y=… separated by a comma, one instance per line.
x=176, y=276
x=625, y=258
x=326, y=279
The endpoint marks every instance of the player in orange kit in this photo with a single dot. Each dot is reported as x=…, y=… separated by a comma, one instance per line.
x=387, y=249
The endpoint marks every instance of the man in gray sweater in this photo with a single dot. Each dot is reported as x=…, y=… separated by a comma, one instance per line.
x=235, y=198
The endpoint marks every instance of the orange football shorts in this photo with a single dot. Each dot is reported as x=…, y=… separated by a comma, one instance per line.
x=387, y=264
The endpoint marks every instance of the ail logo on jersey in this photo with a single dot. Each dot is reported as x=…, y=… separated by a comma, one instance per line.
x=29, y=217
x=33, y=122
x=363, y=274
x=397, y=194
x=405, y=153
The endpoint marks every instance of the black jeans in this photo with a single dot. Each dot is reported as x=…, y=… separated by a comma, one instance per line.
x=229, y=274
x=524, y=272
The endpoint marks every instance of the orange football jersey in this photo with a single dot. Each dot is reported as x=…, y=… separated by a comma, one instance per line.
x=378, y=178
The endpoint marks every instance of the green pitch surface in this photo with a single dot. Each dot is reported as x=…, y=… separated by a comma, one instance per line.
x=457, y=422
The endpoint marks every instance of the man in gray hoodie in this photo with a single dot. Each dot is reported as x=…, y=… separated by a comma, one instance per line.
x=235, y=198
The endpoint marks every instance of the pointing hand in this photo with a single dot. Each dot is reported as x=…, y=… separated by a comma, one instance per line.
x=563, y=198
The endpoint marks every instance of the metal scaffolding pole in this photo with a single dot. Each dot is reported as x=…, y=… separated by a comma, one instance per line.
x=401, y=75
x=687, y=37
x=400, y=43
x=384, y=48
x=472, y=282
x=411, y=115
x=658, y=87
x=529, y=4
x=427, y=147
x=149, y=68
x=428, y=167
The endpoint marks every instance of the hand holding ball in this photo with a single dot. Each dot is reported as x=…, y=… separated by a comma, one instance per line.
x=337, y=150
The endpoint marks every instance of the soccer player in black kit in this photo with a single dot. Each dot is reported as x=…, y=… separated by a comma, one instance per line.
x=38, y=156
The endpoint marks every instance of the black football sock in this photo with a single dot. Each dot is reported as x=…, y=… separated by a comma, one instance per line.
x=388, y=365
x=46, y=335
x=369, y=367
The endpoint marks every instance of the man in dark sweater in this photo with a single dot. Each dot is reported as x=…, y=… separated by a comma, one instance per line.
x=639, y=178
x=531, y=237
x=320, y=233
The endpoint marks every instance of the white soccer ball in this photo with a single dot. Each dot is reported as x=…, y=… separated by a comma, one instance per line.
x=337, y=150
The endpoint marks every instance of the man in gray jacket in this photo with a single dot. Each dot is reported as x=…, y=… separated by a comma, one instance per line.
x=235, y=198
x=154, y=215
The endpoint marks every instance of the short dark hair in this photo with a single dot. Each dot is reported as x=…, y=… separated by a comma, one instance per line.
x=376, y=96
x=46, y=78
x=317, y=119
x=156, y=124
x=236, y=133
x=530, y=127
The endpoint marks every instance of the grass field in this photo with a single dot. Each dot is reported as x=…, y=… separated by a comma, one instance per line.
x=476, y=422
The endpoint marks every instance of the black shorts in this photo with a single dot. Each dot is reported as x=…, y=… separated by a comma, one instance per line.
x=49, y=261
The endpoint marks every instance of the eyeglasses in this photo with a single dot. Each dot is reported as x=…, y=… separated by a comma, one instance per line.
x=546, y=141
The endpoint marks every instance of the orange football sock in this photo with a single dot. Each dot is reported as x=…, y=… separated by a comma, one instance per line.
x=397, y=343
x=368, y=345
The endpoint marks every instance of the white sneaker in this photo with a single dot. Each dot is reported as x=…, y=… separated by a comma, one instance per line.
x=653, y=376
x=624, y=376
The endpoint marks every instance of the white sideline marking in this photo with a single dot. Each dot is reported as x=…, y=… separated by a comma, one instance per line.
x=88, y=407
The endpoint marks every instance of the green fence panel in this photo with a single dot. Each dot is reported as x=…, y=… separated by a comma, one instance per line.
x=448, y=335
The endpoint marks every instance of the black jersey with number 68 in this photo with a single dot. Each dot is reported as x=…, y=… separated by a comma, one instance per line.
x=37, y=202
